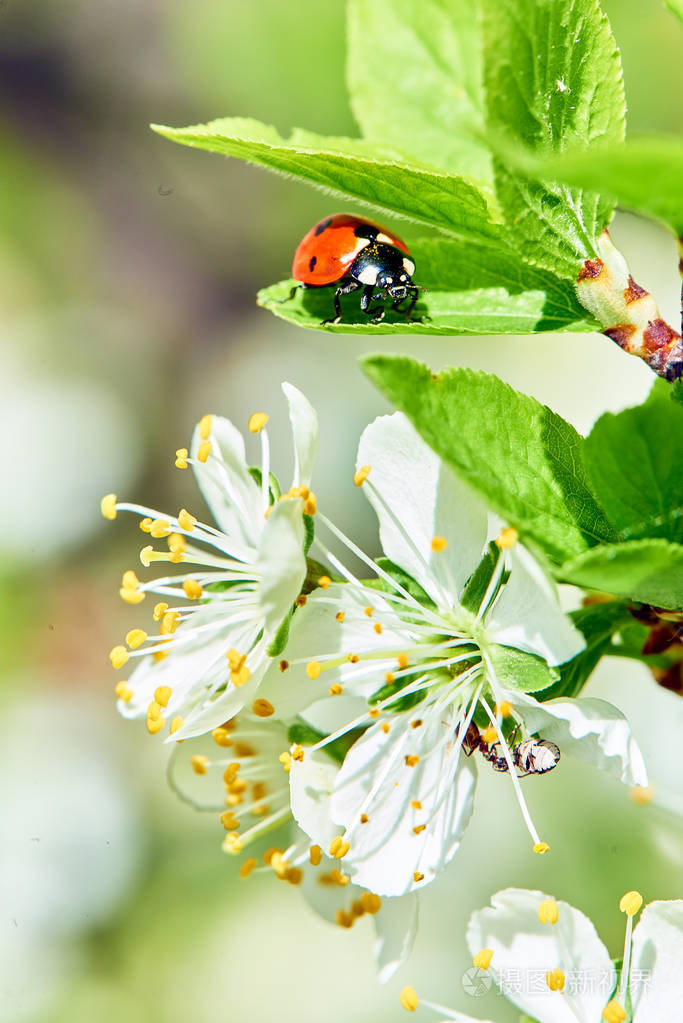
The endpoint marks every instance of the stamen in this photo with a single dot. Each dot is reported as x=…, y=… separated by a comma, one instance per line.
x=145, y=524
x=186, y=521
x=203, y=452
x=630, y=904
x=108, y=506
x=555, y=979
x=160, y=610
x=548, y=911
x=371, y=903
x=642, y=795
x=313, y=669
x=135, y=638
x=256, y=422
x=199, y=763
x=123, y=692
x=338, y=848
x=507, y=538
x=204, y=426
x=162, y=694
x=181, y=458
x=324, y=581
x=361, y=475
x=263, y=708
x=247, y=867
x=408, y=999
x=613, y=1012
x=175, y=725
x=118, y=656
x=315, y=855
x=439, y=543
x=482, y=960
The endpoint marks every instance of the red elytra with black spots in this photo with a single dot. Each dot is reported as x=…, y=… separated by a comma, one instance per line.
x=354, y=254
x=325, y=254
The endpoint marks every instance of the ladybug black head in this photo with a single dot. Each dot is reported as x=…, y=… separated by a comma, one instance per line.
x=394, y=284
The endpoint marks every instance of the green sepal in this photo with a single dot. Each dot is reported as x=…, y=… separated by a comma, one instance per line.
x=303, y=734
x=516, y=669
x=309, y=532
x=274, y=488
x=279, y=640
x=404, y=580
x=478, y=582
x=403, y=703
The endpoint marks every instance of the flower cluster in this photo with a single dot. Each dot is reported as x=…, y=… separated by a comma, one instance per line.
x=352, y=707
x=547, y=959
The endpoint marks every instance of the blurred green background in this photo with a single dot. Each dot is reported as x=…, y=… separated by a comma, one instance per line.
x=128, y=269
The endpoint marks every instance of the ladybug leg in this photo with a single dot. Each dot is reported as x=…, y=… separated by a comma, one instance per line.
x=292, y=293
x=377, y=311
x=343, y=289
x=407, y=312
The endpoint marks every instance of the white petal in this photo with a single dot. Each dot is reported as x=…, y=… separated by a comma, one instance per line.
x=305, y=433
x=589, y=729
x=281, y=562
x=311, y=782
x=524, y=950
x=232, y=495
x=656, y=973
x=375, y=779
x=316, y=633
x=417, y=497
x=396, y=927
x=528, y=616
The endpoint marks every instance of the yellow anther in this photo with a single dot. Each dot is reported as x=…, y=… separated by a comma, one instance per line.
x=504, y=709
x=315, y=855
x=297, y=753
x=507, y=538
x=389, y=678
x=129, y=580
x=278, y=864
x=482, y=960
x=160, y=528
x=247, y=867
x=160, y=610
x=162, y=694
x=541, y=848
x=159, y=655
x=642, y=795
x=221, y=736
x=439, y=543
x=417, y=877
x=340, y=615
x=301, y=600
x=240, y=677
x=118, y=656
x=186, y=521
x=408, y=999
x=146, y=555
x=108, y=506
x=402, y=660
x=360, y=477
x=352, y=658
x=378, y=628
x=199, y=763
x=155, y=725
x=416, y=804
x=417, y=723
x=123, y=692
x=344, y=919
x=175, y=725
x=169, y=623
x=310, y=505
x=232, y=843
x=489, y=735
x=145, y=524
x=181, y=458
x=135, y=638
x=324, y=581
x=630, y=903
x=263, y=708
x=548, y=911
x=555, y=979
x=294, y=875
x=257, y=421
x=176, y=543
x=336, y=877
x=204, y=426
x=286, y=761
x=411, y=760
x=204, y=450
x=338, y=847
x=131, y=596
x=193, y=589
x=313, y=669
x=269, y=853
x=374, y=713
x=370, y=902
x=153, y=711
x=613, y=1013
x=367, y=611
x=357, y=908
x=335, y=689
x=386, y=727
x=236, y=660
x=229, y=821
x=364, y=818
x=419, y=828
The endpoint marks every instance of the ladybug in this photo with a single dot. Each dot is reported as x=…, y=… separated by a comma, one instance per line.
x=354, y=253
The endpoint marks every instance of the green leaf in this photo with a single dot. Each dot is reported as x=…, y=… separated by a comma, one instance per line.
x=522, y=458
x=553, y=84
x=518, y=670
x=635, y=462
x=676, y=391
x=471, y=289
x=351, y=168
x=650, y=571
x=676, y=7
x=598, y=623
x=414, y=75
x=643, y=174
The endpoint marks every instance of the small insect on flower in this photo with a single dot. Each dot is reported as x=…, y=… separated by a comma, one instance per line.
x=531, y=756
x=354, y=253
